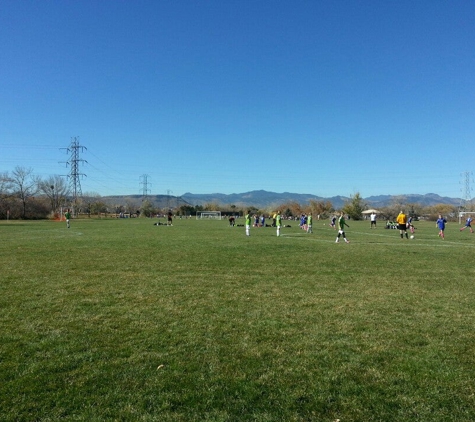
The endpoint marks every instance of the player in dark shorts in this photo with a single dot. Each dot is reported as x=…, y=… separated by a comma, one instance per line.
x=468, y=223
x=332, y=222
x=402, y=224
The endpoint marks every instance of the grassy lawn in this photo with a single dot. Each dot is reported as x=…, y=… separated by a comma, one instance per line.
x=124, y=320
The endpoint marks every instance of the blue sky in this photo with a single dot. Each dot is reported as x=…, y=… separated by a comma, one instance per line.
x=320, y=97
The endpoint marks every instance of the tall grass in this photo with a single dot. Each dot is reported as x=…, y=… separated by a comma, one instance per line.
x=124, y=320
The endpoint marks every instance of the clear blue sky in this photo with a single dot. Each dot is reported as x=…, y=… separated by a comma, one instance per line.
x=320, y=97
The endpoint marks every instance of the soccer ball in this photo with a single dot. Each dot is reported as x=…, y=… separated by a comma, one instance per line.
x=412, y=237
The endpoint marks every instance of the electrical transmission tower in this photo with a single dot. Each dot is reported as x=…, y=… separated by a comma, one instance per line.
x=144, y=182
x=466, y=200
x=74, y=175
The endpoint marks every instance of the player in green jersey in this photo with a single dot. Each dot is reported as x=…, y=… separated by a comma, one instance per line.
x=248, y=224
x=309, y=223
x=341, y=229
x=278, y=222
x=67, y=215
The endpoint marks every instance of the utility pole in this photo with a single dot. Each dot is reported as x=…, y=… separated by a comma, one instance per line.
x=74, y=175
x=144, y=182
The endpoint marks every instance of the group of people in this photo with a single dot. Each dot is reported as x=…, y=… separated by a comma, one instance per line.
x=306, y=222
x=441, y=222
x=404, y=224
x=260, y=222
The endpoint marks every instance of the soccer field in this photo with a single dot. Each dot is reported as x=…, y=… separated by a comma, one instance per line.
x=119, y=319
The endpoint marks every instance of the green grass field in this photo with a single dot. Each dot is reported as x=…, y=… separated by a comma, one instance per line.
x=123, y=320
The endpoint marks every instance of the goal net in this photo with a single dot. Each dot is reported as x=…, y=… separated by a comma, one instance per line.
x=208, y=215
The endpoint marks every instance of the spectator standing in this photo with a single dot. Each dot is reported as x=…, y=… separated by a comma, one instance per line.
x=373, y=219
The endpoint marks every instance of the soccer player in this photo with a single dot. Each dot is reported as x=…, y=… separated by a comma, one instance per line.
x=402, y=224
x=341, y=229
x=468, y=223
x=302, y=222
x=332, y=222
x=278, y=222
x=248, y=224
x=309, y=223
x=441, y=225
x=67, y=215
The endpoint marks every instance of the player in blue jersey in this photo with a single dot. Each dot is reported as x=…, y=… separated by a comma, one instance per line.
x=468, y=223
x=441, y=226
x=332, y=222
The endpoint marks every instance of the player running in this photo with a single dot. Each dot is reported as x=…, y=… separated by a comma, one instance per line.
x=441, y=225
x=468, y=223
x=332, y=222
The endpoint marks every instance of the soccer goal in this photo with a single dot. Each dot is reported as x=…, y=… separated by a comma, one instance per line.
x=209, y=215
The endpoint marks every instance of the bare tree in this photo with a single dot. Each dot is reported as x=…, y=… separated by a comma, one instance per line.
x=24, y=185
x=322, y=208
x=131, y=206
x=5, y=184
x=89, y=200
x=5, y=194
x=56, y=189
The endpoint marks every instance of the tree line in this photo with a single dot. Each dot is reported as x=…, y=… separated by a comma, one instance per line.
x=26, y=196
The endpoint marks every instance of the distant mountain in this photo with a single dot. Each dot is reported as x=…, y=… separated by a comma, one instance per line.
x=264, y=199
x=162, y=201
x=257, y=198
x=426, y=200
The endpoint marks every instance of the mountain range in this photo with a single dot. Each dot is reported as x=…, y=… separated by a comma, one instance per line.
x=263, y=199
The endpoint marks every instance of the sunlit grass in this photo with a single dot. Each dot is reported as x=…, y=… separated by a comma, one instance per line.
x=124, y=320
